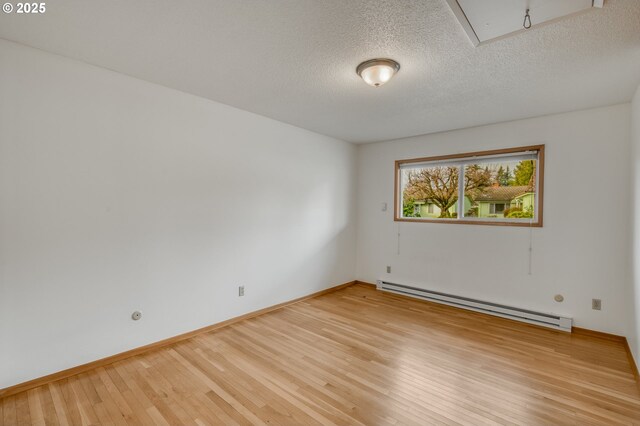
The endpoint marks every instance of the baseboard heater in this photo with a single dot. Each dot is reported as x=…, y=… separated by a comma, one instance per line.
x=546, y=320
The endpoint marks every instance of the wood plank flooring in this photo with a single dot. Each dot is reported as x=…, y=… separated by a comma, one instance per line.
x=352, y=357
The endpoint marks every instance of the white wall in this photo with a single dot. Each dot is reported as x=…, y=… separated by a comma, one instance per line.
x=117, y=195
x=581, y=252
x=634, y=336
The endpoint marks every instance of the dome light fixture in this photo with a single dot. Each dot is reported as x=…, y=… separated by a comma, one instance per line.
x=376, y=72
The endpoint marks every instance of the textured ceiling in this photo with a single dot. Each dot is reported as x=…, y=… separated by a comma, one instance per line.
x=294, y=60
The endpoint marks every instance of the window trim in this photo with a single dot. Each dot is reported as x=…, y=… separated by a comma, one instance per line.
x=397, y=217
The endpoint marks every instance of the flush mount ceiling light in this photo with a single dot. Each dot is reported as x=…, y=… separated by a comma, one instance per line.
x=376, y=72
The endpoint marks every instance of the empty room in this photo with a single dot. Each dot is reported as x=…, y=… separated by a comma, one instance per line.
x=333, y=212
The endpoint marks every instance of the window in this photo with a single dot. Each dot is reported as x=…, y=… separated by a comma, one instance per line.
x=496, y=208
x=501, y=187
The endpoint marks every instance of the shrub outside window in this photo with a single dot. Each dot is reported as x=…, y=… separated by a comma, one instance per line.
x=499, y=187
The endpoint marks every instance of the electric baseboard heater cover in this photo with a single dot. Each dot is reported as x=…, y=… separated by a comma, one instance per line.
x=524, y=315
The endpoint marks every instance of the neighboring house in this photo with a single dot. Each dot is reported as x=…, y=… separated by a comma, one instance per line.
x=427, y=208
x=493, y=201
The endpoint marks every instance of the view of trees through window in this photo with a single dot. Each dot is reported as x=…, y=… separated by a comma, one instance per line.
x=495, y=189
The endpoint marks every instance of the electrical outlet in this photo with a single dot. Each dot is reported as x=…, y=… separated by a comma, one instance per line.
x=241, y=290
x=388, y=269
x=596, y=304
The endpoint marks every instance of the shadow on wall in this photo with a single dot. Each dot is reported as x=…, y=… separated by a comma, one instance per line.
x=318, y=231
x=634, y=297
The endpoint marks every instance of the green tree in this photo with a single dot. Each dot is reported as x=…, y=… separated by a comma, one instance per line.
x=409, y=208
x=523, y=173
x=503, y=176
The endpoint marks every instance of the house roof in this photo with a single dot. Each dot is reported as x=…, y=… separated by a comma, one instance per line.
x=491, y=193
x=501, y=193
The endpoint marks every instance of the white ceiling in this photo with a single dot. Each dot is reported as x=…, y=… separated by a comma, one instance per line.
x=295, y=60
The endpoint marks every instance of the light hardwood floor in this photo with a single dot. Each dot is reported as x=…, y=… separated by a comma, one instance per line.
x=355, y=356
